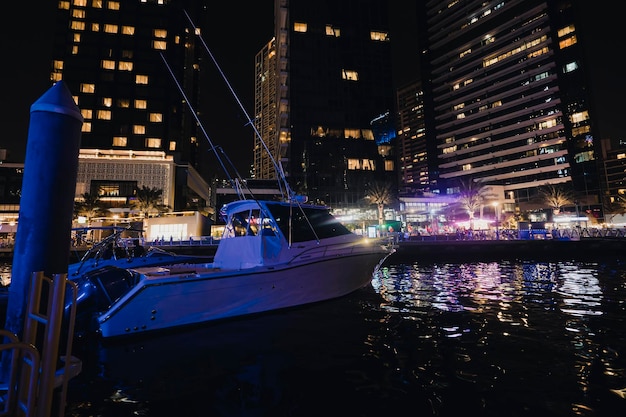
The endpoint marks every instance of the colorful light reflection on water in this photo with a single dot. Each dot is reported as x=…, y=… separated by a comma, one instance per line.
x=508, y=338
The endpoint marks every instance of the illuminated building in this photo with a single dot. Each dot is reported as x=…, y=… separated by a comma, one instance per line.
x=507, y=88
x=333, y=84
x=109, y=53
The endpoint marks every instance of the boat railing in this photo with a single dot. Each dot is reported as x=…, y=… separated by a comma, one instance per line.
x=191, y=241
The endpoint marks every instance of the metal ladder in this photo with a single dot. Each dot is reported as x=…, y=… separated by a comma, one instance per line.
x=33, y=374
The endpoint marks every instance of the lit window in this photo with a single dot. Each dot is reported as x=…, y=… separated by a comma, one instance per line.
x=300, y=27
x=56, y=76
x=109, y=28
x=156, y=117
x=160, y=33
x=86, y=127
x=352, y=133
x=572, y=66
x=389, y=166
x=57, y=65
x=123, y=103
x=113, y=5
x=521, y=48
x=95, y=27
x=86, y=113
x=369, y=165
x=354, y=164
x=172, y=145
x=76, y=25
x=125, y=66
x=78, y=13
x=107, y=101
x=367, y=134
x=128, y=30
x=87, y=88
x=104, y=114
x=567, y=42
x=141, y=79
x=566, y=31
x=139, y=129
x=96, y=4
x=64, y=5
x=80, y=3
x=153, y=143
x=376, y=35
x=76, y=37
x=108, y=64
x=160, y=45
x=349, y=75
x=333, y=31
x=120, y=141
x=141, y=104
x=581, y=130
x=579, y=117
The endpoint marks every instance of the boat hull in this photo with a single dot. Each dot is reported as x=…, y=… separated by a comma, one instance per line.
x=163, y=301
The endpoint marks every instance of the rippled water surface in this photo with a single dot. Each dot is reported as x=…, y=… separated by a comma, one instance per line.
x=470, y=339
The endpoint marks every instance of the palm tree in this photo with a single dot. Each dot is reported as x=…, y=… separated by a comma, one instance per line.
x=471, y=197
x=555, y=196
x=90, y=206
x=381, y=194
x=149, y=200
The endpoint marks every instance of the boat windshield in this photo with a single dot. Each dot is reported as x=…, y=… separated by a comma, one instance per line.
x=324, y=224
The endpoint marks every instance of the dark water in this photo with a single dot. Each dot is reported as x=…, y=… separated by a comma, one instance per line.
x=515, y=338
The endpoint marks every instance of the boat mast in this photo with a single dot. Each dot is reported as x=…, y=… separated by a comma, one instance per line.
x=279, y=170
x=206, y=135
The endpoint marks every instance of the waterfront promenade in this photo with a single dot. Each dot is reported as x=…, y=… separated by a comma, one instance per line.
x=586, y=244
x=535, y=249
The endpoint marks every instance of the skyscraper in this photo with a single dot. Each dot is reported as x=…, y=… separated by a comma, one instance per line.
x=334, y=98
x=507, y=88
x=267, y=147
x=122, y=61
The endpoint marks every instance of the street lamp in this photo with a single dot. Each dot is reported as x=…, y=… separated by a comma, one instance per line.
x=497, y=216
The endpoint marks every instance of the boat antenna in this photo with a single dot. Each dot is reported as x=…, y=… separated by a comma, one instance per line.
x=206, y=135
x=277, y=167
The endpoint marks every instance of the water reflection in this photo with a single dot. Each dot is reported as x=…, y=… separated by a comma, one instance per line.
x=508, y=325
x=438, y=339
x=480, y=287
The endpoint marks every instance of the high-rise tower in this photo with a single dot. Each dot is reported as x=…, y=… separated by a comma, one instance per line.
x=116, y=58
x=334, y=98
x=507, y=87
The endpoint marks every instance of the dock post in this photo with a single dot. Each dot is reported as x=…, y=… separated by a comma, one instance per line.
x=43, y=235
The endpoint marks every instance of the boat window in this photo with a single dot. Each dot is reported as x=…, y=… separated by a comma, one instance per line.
x=268, y=228
x=246, y=223
x=324, y=224
x=253, y=222
x=239, y=223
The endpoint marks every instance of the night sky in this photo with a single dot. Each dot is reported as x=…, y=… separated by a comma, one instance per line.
x=26, y=63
